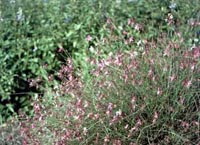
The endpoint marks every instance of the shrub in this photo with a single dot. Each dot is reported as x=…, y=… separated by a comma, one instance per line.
x=27, y=45
x=143, y=99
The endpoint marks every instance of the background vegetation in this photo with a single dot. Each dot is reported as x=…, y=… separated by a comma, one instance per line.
x=113, y=72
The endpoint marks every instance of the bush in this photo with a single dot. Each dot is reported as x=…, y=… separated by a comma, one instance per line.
x=26, y=48
x=131, y=99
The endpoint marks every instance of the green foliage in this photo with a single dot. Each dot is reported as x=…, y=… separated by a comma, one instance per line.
x=28, y=43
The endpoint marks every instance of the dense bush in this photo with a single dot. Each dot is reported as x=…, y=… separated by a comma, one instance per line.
x=27, y=45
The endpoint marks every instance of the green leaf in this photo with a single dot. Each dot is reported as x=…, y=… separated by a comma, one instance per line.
x=10, y=107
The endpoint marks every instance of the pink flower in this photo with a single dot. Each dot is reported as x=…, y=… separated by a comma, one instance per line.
x=187, y=83
x=117, y=142
x=155, y=117
x=172, y=78
x=192, y=66
x=185, y=125
x=125, y=33
x=126, y=127
x=159, y=91
x=36, y=107
x=135, y=128
x=139, y=122
x=106, y=138
x=167, y=51
x=131, y=39
x=108, y=21
x=89, y=38
x=138, y=27
x=133, y=103
x=131, y=22
x=196, y=52
x=195, y=123
x=181, y=100
x=32, y=125
x=85, y=131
